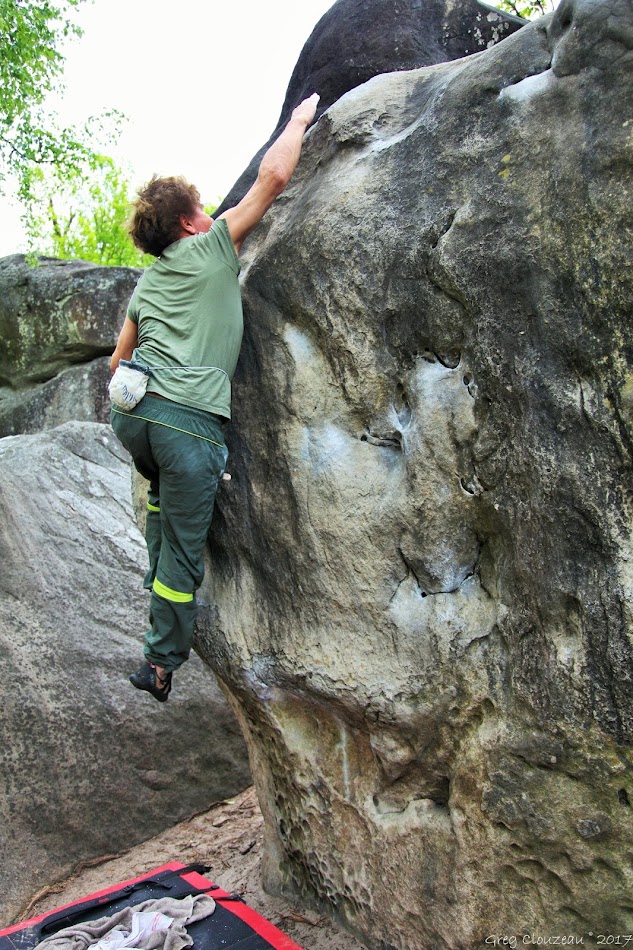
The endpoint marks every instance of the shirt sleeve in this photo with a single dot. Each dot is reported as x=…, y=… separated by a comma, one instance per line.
x=218, y=242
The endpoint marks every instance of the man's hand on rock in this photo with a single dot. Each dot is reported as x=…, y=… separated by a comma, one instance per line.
x=306, y=110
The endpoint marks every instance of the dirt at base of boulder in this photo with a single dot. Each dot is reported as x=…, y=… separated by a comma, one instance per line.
x=228, y=839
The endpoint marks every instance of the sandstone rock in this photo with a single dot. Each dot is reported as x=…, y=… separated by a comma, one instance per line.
x=359, y=39
x=421, y=591
x=89, y=765
x=78, y=393
x=54, y=316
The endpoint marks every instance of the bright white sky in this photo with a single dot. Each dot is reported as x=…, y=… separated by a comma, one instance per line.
x=191, y=111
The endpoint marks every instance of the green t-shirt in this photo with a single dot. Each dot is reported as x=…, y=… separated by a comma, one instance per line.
x=189, y=313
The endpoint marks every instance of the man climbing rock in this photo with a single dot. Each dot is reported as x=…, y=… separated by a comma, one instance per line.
x=183, y=333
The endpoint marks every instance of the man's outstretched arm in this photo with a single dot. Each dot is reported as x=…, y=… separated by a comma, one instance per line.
x=275, y=171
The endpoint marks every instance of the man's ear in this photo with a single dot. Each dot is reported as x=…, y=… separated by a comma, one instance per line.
x=186, y=225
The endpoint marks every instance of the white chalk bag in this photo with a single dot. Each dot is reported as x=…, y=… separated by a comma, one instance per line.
x=128, y=385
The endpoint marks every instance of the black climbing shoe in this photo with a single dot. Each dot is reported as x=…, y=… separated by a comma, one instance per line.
x=148, y=679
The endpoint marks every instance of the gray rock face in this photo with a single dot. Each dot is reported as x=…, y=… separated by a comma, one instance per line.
x=89, y=765
x=79, y=393
x=422, y=576
x=58, y=322
x=359, y=39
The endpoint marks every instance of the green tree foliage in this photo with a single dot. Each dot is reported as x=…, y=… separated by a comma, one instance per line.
x=526, y=9
x=86, y=218
x=32, y=33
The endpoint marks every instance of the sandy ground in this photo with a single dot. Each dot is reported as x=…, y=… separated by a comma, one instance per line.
x=227, y=838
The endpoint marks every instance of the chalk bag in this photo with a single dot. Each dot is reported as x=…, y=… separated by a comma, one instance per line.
x=128, y=385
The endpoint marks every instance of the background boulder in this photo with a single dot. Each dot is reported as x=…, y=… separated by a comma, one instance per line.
x=421, y=588
x=59, y=322
x=90, y=766
x=78, y=393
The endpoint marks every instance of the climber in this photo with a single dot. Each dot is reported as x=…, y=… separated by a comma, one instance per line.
x=180, y=341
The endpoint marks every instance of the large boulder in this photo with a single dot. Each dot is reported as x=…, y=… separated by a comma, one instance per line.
x=422, y=588
x=59, y=321
x=89, y=765
x=356, y=40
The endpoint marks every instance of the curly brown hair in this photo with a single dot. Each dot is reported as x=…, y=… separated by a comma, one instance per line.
x=155, y=221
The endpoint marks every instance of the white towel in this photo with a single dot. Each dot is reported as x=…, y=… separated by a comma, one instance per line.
x=148, y=929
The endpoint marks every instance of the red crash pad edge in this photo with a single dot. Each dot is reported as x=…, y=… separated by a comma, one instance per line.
x=259, y=924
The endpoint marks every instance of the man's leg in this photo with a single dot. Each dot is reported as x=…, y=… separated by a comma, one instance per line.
x=190, y=469
x=133, y=433
x=153, y=531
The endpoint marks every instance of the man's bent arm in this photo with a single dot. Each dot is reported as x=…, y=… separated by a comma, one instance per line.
x=126, y=344
x=275, y=171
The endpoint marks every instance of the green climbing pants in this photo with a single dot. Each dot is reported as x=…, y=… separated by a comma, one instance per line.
x=182, y=453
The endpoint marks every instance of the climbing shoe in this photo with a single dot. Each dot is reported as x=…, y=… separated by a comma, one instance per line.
x=148, y=679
